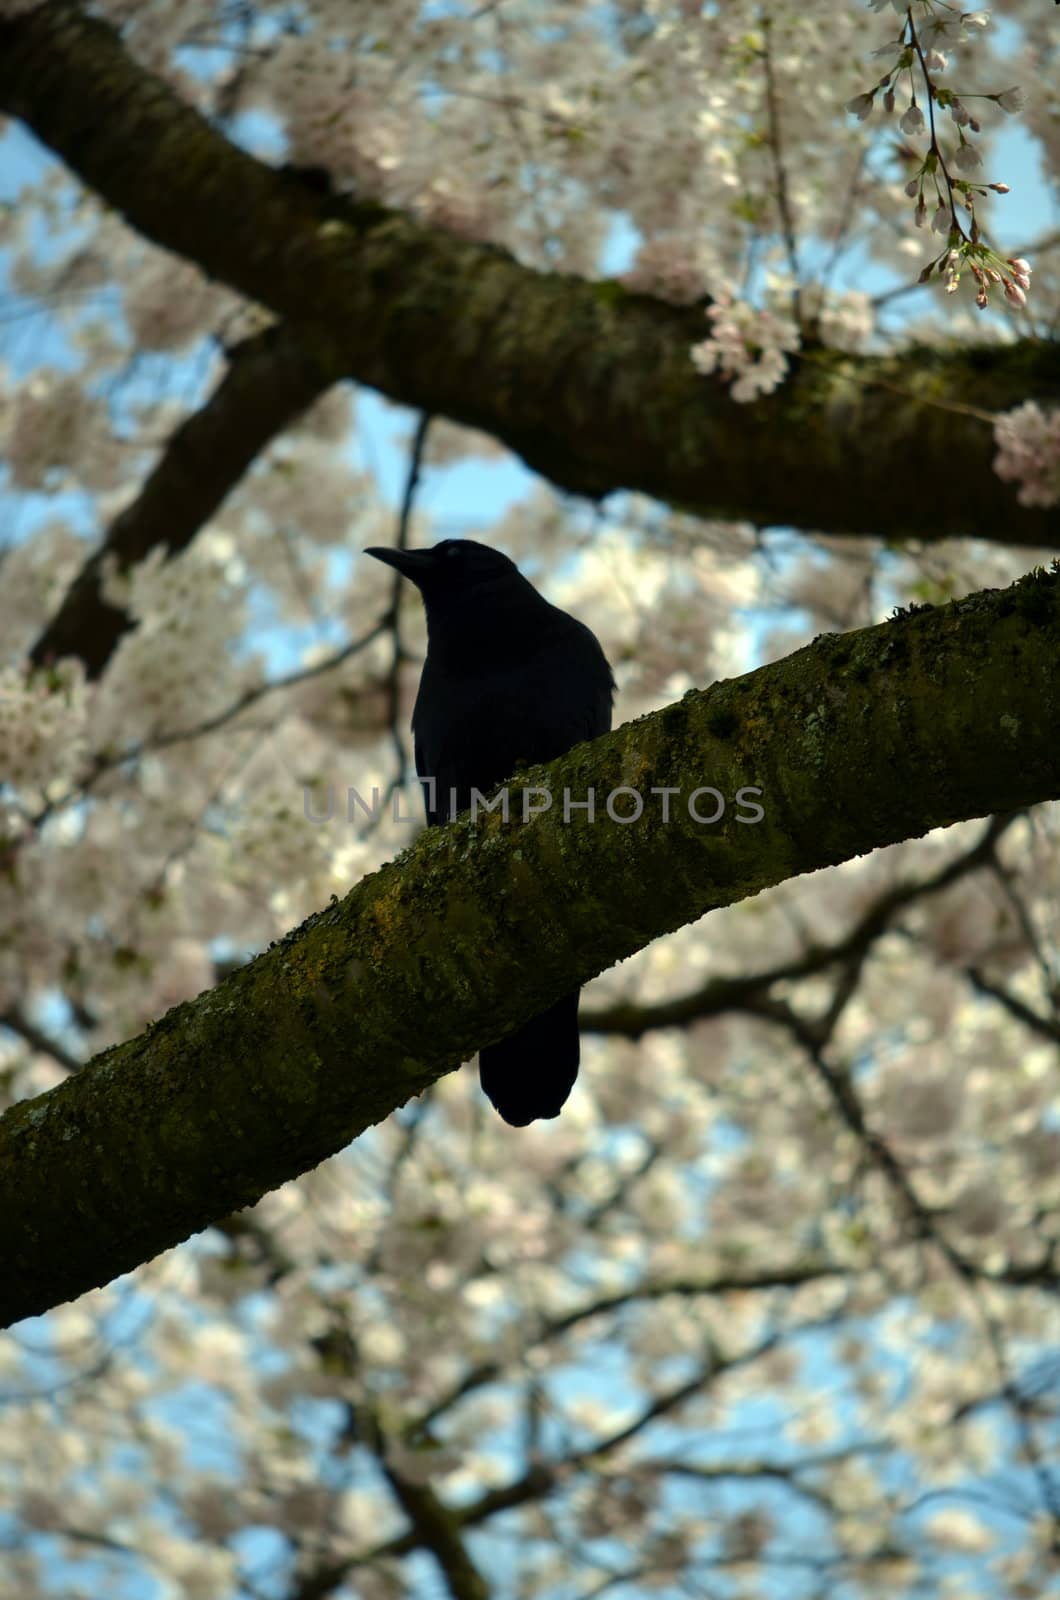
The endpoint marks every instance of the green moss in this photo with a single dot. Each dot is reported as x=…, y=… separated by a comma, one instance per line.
x=1036, y=596
x=609, y=292
x=722, y=722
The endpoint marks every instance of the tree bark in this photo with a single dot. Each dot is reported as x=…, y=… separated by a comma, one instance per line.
x=856, y=741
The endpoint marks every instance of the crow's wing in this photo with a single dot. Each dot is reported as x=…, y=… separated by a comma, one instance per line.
x=476, y=730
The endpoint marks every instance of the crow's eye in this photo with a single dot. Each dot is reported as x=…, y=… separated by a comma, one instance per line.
x=452, y=550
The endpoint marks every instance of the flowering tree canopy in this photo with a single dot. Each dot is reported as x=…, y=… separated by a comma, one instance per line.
x=770, y=1309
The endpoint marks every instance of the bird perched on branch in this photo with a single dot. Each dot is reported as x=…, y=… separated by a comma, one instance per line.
x=509, y=680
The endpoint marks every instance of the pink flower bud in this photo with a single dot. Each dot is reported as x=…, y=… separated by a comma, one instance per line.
x=1014, y=293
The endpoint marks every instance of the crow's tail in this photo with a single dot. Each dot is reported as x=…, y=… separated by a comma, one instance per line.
x=531, y=1073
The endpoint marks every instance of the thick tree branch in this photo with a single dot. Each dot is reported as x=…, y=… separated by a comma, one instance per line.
x=272, y=378
x=856, y=741
x=591, y=385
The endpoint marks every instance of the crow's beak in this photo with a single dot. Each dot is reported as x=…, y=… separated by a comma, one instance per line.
x=412, y=564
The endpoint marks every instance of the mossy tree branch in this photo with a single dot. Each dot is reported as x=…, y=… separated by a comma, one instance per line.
x=592, y=386
x=856, y=741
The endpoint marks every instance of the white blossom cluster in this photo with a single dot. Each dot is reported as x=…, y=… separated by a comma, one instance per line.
x=42, y=725
x=1028, y=453
x=173, y=669
x=34, y=576
x=748, y=346
x=56, y=429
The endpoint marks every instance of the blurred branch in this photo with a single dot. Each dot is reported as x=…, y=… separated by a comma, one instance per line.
x=541, y=1477
x=222, y=719
x=791, y=1277
x=436, y=1527
x=1046, y=1027
x=789, y=1473
x=785, y=209
x=37, y=1039
x=839, y=1082
x=272, y=378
